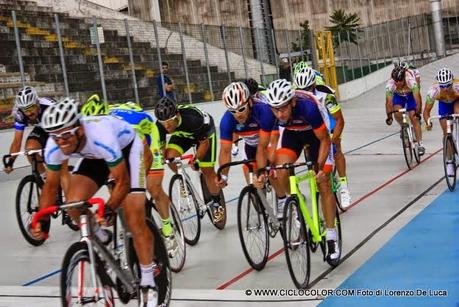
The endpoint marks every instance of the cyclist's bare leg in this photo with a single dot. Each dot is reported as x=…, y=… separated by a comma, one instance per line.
x=172, y=153
x=83, y=188
x=155, y=188
x=340, y=161
x=134, y=210
x=328, y=203
x=33, y=144
x=210, y=176
x=398, y=116
x=281, y=184
x=416, y=125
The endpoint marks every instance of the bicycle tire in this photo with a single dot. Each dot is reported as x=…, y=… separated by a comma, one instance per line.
x=449, y=157
x=254, y=220
x=178, y=261
x=24, y=215
x=296, y=242
x=188, y=210
x=207, y=198
x=416, y=155
x=75, y=258
x=407, y=148
x=163, y=277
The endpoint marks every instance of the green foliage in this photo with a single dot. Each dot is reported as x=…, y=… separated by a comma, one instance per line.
x=304, y=41
x=344, y=27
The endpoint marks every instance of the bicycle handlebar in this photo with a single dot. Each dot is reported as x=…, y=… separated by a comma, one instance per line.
x=53, y=209
x=20, y=153
x=179, y=159
x=450, y=116
x=246, y=162
x=403, y=110
x=309, y=164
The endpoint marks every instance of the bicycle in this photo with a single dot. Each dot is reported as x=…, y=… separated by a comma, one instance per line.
x=176, y=260
x=91, y=270
x=256, y=220
x=450, y=147
x=304, y=231
x=190, y=205
x=28, y=195
x=409, y=144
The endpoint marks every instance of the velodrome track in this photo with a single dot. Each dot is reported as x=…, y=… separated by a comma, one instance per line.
x=400, y=233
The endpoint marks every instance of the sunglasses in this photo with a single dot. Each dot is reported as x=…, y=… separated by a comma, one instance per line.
x=28, y=109
x=64, y=135
x=443, y=86
x=167, y=120
x=240, y=110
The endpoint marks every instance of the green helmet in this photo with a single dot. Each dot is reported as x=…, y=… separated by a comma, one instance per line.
x=94, y=106
x=127, y=106
x=299, y=66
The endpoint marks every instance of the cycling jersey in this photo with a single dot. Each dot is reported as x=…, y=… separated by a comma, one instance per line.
x=259, y=119
x=22, y=121
x=410, y=86
x=109, y=140
x=447, y=96
x=143, y=123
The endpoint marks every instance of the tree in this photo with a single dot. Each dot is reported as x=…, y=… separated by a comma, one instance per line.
x=302, y=41
x=342, y=25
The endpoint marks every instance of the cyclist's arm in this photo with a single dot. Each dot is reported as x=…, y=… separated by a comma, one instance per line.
x=323, y=135
x=418, y=99
x=389, y=105
x=120, y=174
x=426, y=114
x=225, y=155
x=274, y=139
x=51, y=187
x=202, y=149
x=263, y=143
x=338, y=130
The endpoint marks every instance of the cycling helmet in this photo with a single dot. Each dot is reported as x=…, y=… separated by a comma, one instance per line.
x=129, y=105
x=280, y=92
x=402, y=64
x=26, y=97
x=165, y=109
x=252, y=85
x=398, y=73
x=445, y=76
x=235, y=95
x=61, y=115
x=305, y=78
x=299, y=66
x=94, y=106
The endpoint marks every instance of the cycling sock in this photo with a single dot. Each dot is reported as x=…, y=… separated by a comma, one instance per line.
x=343, y=180
x=147, y=275
x=167, y=226
x=331, y=234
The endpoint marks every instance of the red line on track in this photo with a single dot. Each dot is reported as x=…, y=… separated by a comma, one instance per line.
x=280, y=251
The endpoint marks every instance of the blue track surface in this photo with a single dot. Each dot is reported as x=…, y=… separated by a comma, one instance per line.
x=422, y=256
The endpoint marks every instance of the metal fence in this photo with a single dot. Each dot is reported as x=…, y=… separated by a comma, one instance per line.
x=121, y=60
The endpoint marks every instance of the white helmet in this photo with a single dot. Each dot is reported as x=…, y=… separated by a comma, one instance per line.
x=61, y=115
x=445, y=76
x=305, y=78
x=26, y=97
x=235, y=95
x=280, y=92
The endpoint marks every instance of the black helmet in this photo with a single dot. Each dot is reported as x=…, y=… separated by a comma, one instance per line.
x=165, y=108
x=252, y=84
x=398, y=73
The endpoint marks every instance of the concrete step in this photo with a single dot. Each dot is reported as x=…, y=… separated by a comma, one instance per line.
x=12, y=77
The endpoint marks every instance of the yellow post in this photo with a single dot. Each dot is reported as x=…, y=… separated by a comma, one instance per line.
x=326, y=58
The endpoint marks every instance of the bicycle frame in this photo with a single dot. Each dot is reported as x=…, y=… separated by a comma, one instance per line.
x=405, y=121
x=452, y=125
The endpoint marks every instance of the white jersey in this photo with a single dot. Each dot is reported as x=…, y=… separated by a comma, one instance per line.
x=106, y=136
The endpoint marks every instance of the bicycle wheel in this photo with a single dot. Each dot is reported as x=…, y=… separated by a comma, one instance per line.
x=296, y=244
x=407, y=148
x=178, y=261
x=27, y=197
x=163, y=274
x=336, y=261
x=335, y=186
x=253, y=228
x=77, y=287
x=187, y=207
x=208, y=197
x=416, y=155
x=449, y=158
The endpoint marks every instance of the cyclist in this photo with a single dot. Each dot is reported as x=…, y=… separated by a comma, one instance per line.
x=148, y=131
x=243, y=118
x=256, y=91
x=446, y=91
x=402, y=91
x=411, y=67
x=305, y=80
x=190, y=126
x=302, y=65
x=108, y=146
x=303, y=124
x=28, y=110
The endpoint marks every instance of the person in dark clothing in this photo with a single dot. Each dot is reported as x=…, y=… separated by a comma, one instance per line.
x=169, y=85
x=284, y=71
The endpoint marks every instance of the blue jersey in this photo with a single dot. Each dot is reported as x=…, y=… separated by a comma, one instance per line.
x=261, y=118
x=142, y=122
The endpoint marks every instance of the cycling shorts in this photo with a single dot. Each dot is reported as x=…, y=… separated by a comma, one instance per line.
x=446, y=108
x=182, y=144
x=407, y=102
x=98, y=170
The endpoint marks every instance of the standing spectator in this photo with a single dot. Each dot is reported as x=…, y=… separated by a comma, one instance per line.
x=169, y=85
x=284, y=71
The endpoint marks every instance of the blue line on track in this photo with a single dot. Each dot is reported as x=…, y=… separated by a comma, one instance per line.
x=34, y=281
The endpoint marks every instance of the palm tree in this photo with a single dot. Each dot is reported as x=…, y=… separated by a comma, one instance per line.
x=345, y=27
x=303, y=42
